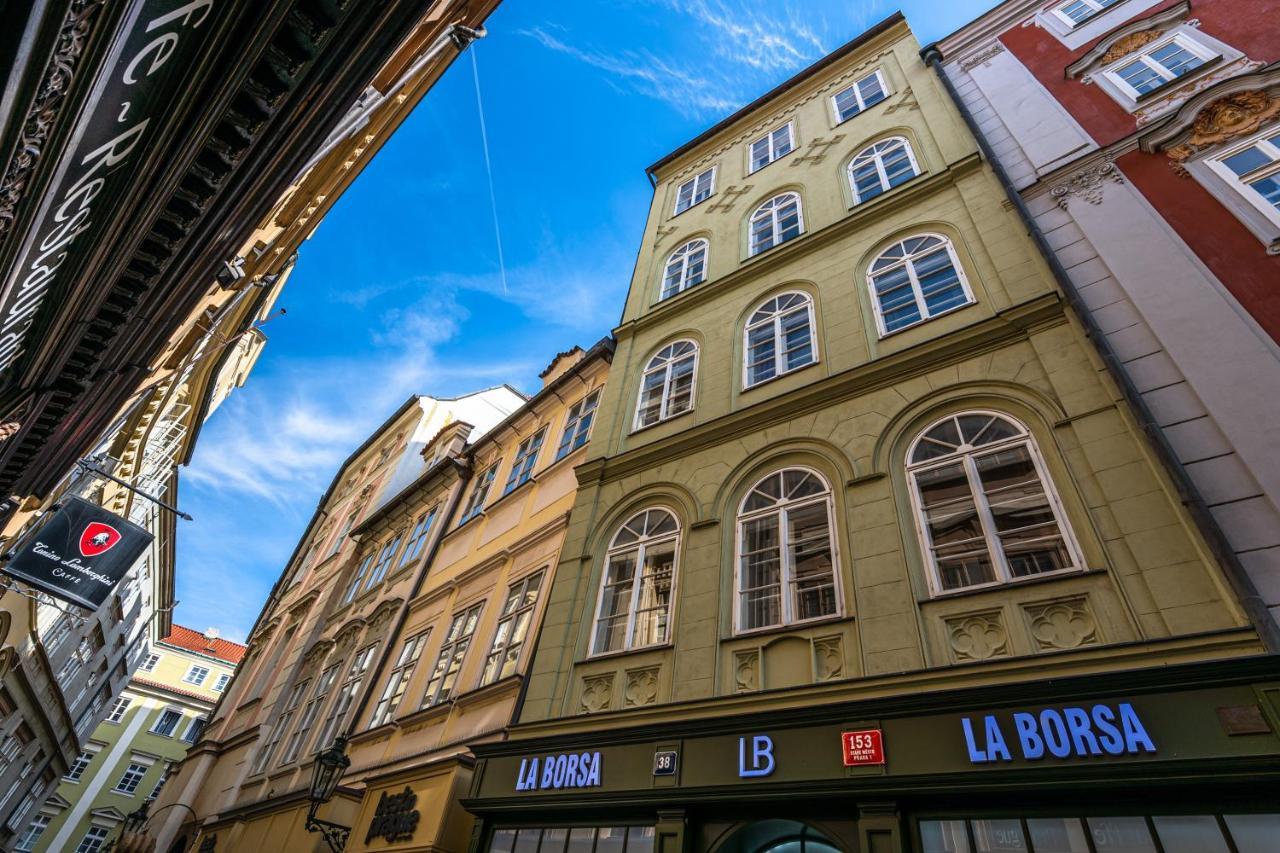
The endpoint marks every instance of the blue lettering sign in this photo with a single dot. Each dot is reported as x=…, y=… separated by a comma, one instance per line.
x=571, y=770
x=762, y=762
x=1060, y=733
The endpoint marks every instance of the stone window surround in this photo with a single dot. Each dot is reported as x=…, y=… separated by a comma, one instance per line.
x=1214, y=53
x=1076, y=37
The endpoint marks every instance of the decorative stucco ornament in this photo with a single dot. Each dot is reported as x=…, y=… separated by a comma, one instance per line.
x=1227, y=118
x=1129, y=44
x=1086, y=184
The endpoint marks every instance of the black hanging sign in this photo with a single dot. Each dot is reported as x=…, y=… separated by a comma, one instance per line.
x=80, y=553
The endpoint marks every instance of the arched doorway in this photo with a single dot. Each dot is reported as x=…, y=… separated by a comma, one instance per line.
x=778, y=836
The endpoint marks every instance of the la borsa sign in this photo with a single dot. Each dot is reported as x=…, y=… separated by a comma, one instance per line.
x=568, y=770
x=1102, y=730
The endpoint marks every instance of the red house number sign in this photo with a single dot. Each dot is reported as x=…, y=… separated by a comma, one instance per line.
x=864, y=747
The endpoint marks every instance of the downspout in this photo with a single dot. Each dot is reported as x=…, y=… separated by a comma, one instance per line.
x=464, y=476
x=1241, y=583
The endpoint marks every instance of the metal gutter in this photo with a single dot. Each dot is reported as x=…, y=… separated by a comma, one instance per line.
x=1241, y=583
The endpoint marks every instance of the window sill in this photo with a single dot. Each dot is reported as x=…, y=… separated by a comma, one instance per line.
x=760, y=169
x=864, y=205
x=689, y=411
x=663, y=300
x=1170, y=85
x=923, y=320
x=778, y=376
x=692, y=206
x=617, y=653
x=516, y=490
x=753, y=255
x=862, y=112
x=1030, y=580
x=790, y=626
x=564, y=458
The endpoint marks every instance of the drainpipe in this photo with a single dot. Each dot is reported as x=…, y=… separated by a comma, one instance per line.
x=1241, y=583
x=464, y=476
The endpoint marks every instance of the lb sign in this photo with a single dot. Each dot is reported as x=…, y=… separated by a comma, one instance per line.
x=79, y=554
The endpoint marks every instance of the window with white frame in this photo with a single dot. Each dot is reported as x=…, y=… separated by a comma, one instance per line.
x=776, y=221
x=418, y=536
x=342, y=534
x=1076, y=12
x=526, y=459
x=985, y=507
x=696, y=189
x=453, y=653
x=479, y=493
x=196, y=675
x=130, y=778
x=786, y=552
x=282, y=725
x=778, y=338
x=94, y=838
x=685, y=268
x=307, y=719
x=867, y=92
x=167, y=722
x=577, y=426
x=194, y=729
x=1252, y=169
x=164, y=777
x=880, y=167
x=666, y=386
x=397, y=680
x=27, y=841
x=220, y=685
x=383, y=564
x=149, y=664
x=512, y=630
x=1157, y=64
x=347, y=693
x=77, y=768
x=916, y=280
x=771, y=146
x=116, y=714
x=353, y=586
x=634, y=607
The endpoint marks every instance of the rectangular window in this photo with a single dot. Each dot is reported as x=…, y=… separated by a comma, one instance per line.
x=357, y=579
x=78, y=767
x=479, y=493
x=342, y=535
x=149, y=664
x=346, y=695
x=526, y=458
x=770, y=147
x=194, y=730
x=132, y=776
x=35, y=829
x=116, y=714
x=867, y=92
x=453, y=652
x=299, y=736
x=1124, y=834
x=577, y=426
x=93, y=840
x=418, y=537
x=398, y=679
x=282, y=725
x=196, y=675
x=221, y=684
x=164, y=777
x=1159, y=64
x=513, y=628
x=1253, y=171
x=384, y=562
x=1077, y=12
x=169, y=719
x=578, y=839
x=696, y=189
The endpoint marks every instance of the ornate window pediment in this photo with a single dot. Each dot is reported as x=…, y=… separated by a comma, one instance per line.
x=1125, y=40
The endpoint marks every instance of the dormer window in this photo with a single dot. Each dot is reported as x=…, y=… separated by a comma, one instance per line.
x=697, y=189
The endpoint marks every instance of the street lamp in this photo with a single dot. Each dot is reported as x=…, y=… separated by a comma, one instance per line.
x=327, y=771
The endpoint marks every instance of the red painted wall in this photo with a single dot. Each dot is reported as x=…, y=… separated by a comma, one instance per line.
x=1230, y=250
x=1250, y=26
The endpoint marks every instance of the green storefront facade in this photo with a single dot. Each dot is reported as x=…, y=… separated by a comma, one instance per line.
x=1173, y=759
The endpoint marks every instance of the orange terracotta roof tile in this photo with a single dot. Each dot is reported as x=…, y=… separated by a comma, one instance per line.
x=196, y=641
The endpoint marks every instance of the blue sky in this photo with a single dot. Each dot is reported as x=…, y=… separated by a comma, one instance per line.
x=399, y=292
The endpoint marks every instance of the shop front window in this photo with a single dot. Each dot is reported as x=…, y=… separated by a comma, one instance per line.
x=1254, y=833
x=578, y=839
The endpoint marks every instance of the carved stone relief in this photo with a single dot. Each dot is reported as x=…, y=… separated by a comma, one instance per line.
x=1129, y=44
x=597, y=693
x=642, y=687
x=1227, y=118
x=1067, y=623
x=977, y=636
x=1087, y=184
x=828, y=658
x=971, y=62
x=746, y=671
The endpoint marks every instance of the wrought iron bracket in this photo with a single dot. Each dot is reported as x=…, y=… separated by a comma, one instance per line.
x=334, y=834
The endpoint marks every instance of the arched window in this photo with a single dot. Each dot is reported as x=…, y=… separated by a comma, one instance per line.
x=881, y=167
x=778, y=338
x=634, y=608
x=916, y=280
x=786, y=552
x=986, y=509
x=686, y=267
x=776, y=221
x=666, y=388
